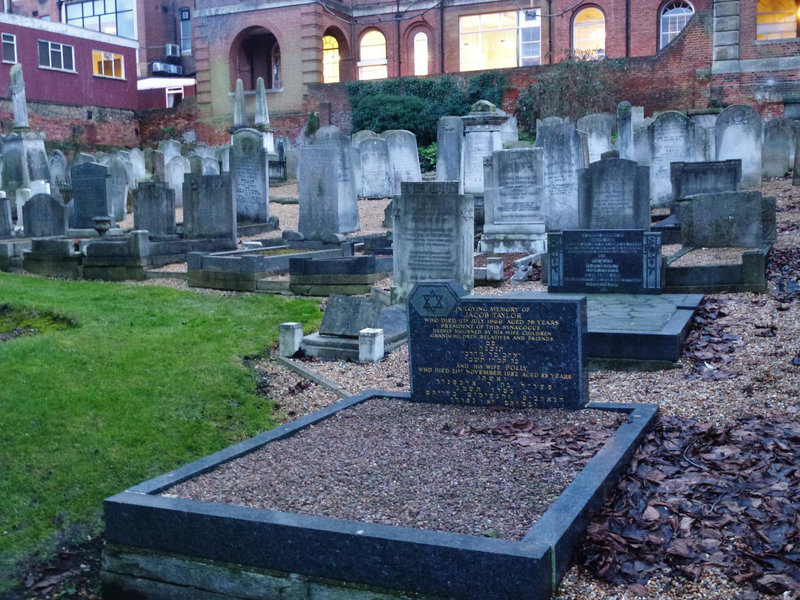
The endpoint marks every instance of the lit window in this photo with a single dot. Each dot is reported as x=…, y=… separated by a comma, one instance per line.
x=186, y=32
x=420, y=54
x=589, y=33
x=776, y=20
x=330, y=59
x=373, y=56
x=674, y=17
x=108, y=64
x=114, y=17
x=9, y=48
x=498, y=40
x=60, y=57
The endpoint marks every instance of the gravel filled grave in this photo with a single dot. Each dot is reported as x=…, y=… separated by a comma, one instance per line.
x=471, y=470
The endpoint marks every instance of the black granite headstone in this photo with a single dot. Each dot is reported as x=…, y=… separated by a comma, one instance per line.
x=604, y=261
x=496, y=351
x=89, y=194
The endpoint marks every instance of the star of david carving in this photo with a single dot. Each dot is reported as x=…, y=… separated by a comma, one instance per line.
x=467, y=214
x=436, y=298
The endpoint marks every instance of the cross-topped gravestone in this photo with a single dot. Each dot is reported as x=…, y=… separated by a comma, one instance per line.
x=518, y=351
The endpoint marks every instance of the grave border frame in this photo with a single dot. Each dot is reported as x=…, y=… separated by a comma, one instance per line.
x=342, y=552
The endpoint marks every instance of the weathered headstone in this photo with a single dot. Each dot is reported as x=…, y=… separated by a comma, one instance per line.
x=614, y=193
x=159, y=166
x=432, y=236
x=89, y=195
x=19, y=103
x=328, y=202
x=777, y=151
x=514, y=202
x=209, y=211
x=174, y=172
x=249, y=176
x=625, y=131
x=6, y=224
x=223, y=154
x=154, y=208
x=672, y=139
x=347, y=315
x=704, y=124
x=117, y=187
x=403, y=156
x=738, y=135
x=239, y=113
x=564, y=153
x=44, y=216
x=604, y=261
x=598, y=128
x=689, y=179
x=449, y=142
x=58, y=171
x=21, y=196
x=482, y=136
x=170, y=148
x=377, y=179
x=520, y=351
x=729, y=219
x=138, y=165
x=261, y=120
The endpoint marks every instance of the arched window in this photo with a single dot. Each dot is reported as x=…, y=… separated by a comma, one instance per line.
x=420, y=53
x=255, y=54
x=276, y=67
x=330, y=59
x=589, y=33
x=777, y=19
x=373, y=56
x=674, y=17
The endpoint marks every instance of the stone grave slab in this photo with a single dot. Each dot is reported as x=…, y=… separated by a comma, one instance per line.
x=613, y=193
x=44, y=216
x=604, y=261
x=343, y=275
x=496, y=350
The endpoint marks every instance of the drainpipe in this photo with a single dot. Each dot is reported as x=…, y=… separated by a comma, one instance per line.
x=441, y=36
x=397, y=16
x=627, y=28
x=549, y=31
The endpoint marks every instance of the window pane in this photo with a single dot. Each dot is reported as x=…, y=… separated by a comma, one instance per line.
x=55, y=56
x=44, y=54
x=777, y=19
x=92, y=23
x=118, y=71
x=68, y=58
x=373, y=72
x=508, y=20
x=498, y=49
x=97, y=62
x=124, y=5
x=470, y=52
x=108, y=24
x=589, y=33
x=186, y=36
x=468, y=24
x=125, y=24
x=99, y=7
x=420, y=54
x=9, y=48
x=330, y=59
x=74, y=11
x=373, y=46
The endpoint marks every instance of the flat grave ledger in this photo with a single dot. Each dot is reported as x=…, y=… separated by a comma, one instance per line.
x=604, y=261
x=496, y=351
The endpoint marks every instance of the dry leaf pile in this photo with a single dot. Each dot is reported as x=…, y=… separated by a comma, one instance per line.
x=700, y=495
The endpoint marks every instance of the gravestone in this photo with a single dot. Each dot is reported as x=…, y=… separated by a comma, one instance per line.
x=6, y=224
x=170, y=149
x=625, y=127
x=432, y=236
x=729, y=219
x=515, y=352
x=377, y=179
x=239, y=113
x=598, y=128
x=449, y=142
x=346, y=316
x=117, y=187
x=261, y=118
x=159, y=167
x=614, y=193
x=564, y=153
x=689, y=179
x=138, y=165
x=514, y=202
x=249, y=176
x=777, y=151
x=19, y=102
x=89, y=195
x=174, y=172
x=738, y=135
x=642, y=142
x=154, y=208
x=58, y=171
x=403, y=157
x=609, y=261
x=672, y=139
x=44, y=216
x=223, y=154
x=21, y=196
x=208, y=210
x=509, y=130
x=328, y=202
x=360, y=136
x=704, y=125
x=482, y=136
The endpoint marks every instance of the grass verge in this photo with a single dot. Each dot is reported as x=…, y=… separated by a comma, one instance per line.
x=148, y=379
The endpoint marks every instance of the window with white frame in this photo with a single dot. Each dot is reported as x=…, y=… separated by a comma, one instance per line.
x=499, y=40
x=108, y=64
x=777, y=19
x=186, y=31
x=589, y=33
x=9, y=48
x=373, y=56
x=674, y=17
x=420, y=53
x=114, y=17
x=330, y=59
x=53, y=55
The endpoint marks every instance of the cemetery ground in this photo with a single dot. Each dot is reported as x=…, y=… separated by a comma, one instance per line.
x=708, y=510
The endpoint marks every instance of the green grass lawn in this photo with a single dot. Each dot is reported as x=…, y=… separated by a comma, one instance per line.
x=148, y=379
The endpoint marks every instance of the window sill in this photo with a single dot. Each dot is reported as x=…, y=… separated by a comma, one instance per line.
x=793, y=40
x=10, y=62
x=73, y=71
x=108, y=77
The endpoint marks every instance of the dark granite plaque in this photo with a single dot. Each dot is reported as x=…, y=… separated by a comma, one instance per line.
x=90, y=194
x=496, y=351
x=605, y=261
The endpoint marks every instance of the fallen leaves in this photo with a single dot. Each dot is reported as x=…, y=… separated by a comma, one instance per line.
x=709, y=346
x=702, y=495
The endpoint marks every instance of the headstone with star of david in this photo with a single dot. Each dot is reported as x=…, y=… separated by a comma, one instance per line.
x=526, y=350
